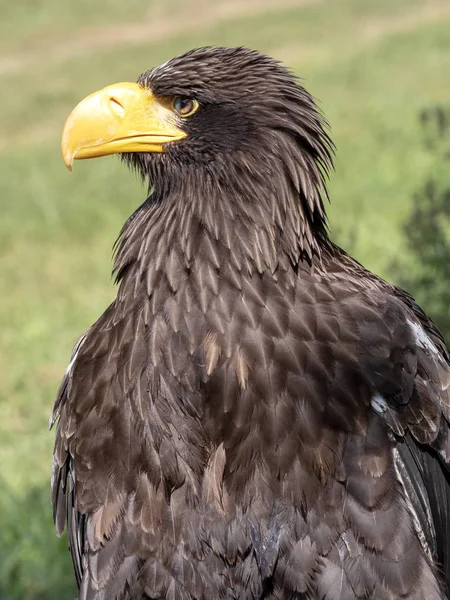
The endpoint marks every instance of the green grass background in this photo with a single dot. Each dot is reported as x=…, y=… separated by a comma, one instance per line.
x=373, y=64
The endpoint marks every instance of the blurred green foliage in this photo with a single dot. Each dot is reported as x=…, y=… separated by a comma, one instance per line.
x=375, y=66
x=427, y=228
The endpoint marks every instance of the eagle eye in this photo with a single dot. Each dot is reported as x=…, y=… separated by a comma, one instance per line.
x=184, y=107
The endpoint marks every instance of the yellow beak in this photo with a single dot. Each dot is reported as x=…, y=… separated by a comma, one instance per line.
x=124, y=117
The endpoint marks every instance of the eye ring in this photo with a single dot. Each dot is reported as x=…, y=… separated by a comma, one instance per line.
x=184, y=106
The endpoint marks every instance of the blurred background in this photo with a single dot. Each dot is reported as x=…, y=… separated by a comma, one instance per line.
x=380, y=69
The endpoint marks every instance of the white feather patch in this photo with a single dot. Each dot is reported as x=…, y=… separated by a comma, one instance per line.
x=422, y=339
x=379, y=404
x=75, y=352
x=409, y=504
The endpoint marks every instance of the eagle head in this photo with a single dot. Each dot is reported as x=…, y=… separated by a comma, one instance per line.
x=230, y=121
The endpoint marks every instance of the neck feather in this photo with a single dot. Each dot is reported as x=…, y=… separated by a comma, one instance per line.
x=252, y=218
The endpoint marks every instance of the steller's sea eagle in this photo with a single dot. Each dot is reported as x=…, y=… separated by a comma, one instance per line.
x=255, y=416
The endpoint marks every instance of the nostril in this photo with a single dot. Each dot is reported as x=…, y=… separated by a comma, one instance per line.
x=116, y=107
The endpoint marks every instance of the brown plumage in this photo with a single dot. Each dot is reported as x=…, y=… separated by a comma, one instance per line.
x=255, y=415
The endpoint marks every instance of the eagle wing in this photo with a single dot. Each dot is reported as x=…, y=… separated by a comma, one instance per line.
x=405, y=359
x=424, y=470
x=97, y=485
x=124, y=444
x=63, y=481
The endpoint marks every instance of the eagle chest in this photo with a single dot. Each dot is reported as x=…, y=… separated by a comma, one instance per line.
x=258, y=364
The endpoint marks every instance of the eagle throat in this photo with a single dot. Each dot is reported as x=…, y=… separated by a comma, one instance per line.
x=257, y=212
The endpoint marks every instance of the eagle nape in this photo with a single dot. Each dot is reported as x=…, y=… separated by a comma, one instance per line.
x=255, y=416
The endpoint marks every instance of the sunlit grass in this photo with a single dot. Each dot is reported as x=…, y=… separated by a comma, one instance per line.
x=372, y=72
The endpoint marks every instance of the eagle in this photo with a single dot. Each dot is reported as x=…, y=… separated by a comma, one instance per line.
x=255, y=416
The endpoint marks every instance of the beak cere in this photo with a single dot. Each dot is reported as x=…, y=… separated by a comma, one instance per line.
x=124, y=117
